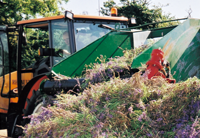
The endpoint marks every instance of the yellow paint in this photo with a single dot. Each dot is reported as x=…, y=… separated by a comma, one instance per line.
x=14, y=100
x=3, y=111
x=4, y=102
x=168, y=50
x=165, y=45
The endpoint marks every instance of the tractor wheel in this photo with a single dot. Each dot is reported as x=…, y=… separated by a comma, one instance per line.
x=38, y=108
x=35, y=104
x=32, y=106
x=32, y=100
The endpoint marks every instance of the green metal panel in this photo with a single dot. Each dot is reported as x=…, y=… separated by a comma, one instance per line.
x=160, y=32
x=181, y=49
x=110, y=45
x=189, y=63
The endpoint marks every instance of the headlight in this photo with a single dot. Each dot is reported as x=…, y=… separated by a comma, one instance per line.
x=69, y=15
x=133, y=21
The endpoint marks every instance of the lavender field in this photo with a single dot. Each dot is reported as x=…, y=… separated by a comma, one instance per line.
x=113, y=107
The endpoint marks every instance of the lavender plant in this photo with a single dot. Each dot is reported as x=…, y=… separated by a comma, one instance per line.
x=131, y=107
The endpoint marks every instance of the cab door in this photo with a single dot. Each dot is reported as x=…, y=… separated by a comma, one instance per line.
x=4, y=70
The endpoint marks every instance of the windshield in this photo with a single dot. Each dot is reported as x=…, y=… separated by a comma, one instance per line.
x=86, y=33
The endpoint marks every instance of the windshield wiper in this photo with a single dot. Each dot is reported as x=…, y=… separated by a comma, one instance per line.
x=105, y=27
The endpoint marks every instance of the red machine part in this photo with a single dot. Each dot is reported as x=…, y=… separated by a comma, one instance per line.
x=155, y=66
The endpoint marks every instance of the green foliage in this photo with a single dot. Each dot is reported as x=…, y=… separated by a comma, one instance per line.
x=12, y=11
x=140, y=10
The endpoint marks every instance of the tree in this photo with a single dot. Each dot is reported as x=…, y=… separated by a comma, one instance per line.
x=12, y=11
x=138, y=9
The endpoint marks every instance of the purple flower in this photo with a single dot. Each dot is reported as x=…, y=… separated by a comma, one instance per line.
x=188, y=127
x=115, y=133
x=50, y=132
x=101, y=116
x=140, y=118
x=103, y=134
x=162, y=132
x=100, y=125
x=179, y=125
x=110, y=116
x=159, y=119
x=77, y=134
x=144, y=114
x=139, y=90
x=110, y=63
x=130, y=109
x=195, y=105
x=149, y=135
x=159, y=92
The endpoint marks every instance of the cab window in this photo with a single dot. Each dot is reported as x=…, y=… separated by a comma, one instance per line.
x=86, y=33
x=36, y=37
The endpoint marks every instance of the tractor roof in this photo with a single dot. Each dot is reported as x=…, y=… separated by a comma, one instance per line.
x=86, y=17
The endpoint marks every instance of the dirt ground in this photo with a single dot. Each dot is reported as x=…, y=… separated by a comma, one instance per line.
x=3, y=133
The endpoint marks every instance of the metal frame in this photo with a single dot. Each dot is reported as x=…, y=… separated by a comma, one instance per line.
x=71, y=31
x=50, y=42
x=72, y=36
x=19, y=48
x=9, y=50
x=135, y=27
x=2, y=67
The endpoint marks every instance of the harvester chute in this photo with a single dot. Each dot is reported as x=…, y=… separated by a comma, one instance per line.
x=110, y=45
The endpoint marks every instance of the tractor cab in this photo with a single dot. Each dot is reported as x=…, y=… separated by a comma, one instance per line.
x=45, y=42
x=66, y=34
